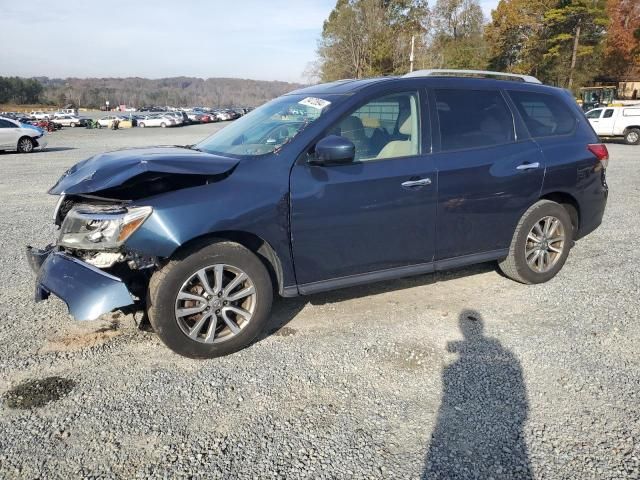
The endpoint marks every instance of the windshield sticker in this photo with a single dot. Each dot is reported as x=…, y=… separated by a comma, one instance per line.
x=315, y=102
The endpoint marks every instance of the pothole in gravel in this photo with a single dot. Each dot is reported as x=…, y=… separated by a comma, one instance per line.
x=82, y=338
x=37, y=393
x=284, y=332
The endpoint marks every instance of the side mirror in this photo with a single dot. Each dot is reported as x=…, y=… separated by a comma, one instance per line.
x=334, y=150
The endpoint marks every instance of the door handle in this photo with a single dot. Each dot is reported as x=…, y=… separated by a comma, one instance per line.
x=528, y=166
x=417, y=183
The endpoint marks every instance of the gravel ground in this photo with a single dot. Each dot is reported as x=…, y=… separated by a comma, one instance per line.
x=463, y=374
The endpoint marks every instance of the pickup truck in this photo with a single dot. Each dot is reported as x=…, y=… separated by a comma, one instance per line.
x=621, y=122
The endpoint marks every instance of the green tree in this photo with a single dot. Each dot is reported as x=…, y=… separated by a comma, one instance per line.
x=514, y=35
x=574, y=34
x=456, y=39
x=363, y=38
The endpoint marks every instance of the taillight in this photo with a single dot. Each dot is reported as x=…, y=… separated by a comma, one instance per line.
x=601, y=153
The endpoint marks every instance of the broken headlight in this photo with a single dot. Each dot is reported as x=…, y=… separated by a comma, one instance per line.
x=100, y=227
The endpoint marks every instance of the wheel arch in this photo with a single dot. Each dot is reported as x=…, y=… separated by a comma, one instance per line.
x=34, y=142
x=630, y=127
x=260, y=247
x=570, y=204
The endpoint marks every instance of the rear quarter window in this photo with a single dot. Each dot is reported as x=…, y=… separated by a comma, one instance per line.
x=544, y=115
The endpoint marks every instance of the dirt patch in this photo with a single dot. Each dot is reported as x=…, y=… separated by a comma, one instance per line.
x=284, y=332
x=37, y=393
x=82, y=338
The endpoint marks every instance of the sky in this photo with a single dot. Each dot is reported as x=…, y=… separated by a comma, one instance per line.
x=257, y=39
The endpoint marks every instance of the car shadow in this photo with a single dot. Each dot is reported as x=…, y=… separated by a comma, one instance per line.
x=479, y=429
x=56, y=149
x=286, y=309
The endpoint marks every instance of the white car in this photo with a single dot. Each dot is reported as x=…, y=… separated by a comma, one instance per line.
x=40, y=115
x=621, y=122
x=156, y=121
x=21, y=137
x=108, y=120
x=68, y=121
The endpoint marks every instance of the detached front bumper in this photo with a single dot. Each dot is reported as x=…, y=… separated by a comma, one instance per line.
x=88, y=291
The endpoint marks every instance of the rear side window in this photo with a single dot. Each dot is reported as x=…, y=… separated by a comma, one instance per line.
x=473, y=119
x=6, y=124
x=608, y=114
x=545, y=115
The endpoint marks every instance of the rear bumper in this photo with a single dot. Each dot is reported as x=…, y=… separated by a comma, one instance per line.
x=88, y=291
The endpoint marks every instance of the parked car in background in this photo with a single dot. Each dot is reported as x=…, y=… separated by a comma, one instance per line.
x=69, y=121
x=23, y=138
x=105, y=122
x=40, y=115
x=621, y=122
x=157, y=120
x=368, y=181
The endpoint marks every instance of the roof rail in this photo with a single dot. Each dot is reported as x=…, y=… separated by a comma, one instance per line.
x=464, y=73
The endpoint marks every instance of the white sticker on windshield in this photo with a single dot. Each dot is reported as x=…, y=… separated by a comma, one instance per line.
x=314, y=102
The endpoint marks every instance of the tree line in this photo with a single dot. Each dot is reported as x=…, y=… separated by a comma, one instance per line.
x=563, y=42
x=20, y=90
x=138, y=92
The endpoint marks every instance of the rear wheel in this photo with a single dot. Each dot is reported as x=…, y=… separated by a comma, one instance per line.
x=141, y=125
x=163, y=125
x=210, y=301
x=632, y=136
x=74, y=125
x=540, y=245
x=25, y=145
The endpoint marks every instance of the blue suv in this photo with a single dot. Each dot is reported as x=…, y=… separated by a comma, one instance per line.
x=330, y=186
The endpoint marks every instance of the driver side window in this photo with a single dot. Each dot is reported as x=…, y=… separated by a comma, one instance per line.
x=385, y=127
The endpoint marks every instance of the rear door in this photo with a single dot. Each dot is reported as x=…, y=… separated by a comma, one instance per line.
x=487, y=174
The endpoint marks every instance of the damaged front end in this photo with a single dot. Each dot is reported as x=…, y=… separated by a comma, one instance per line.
x=89, y=268
x=101, y=205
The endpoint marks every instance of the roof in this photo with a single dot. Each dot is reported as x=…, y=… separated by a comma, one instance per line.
x=341, y=87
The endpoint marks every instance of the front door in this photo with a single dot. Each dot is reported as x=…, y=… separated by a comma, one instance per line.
x=374, y=214
x=8, y=136
x=606, y=122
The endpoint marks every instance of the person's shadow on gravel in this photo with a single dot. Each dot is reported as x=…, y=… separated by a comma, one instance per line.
x=479, y=431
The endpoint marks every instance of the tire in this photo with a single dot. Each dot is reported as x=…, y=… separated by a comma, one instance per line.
x=74, y=125
x=141, y=125
x=25, y=145
x=516, y=266
x=632, y=136
x=180, y=275
x=163, y=125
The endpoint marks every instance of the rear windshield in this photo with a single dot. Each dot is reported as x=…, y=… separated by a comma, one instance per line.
x=545, y=115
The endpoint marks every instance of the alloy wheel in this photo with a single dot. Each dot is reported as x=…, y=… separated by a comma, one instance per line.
x=26, y=145
x=633, y=137
x=545, y=244
x=215, y=303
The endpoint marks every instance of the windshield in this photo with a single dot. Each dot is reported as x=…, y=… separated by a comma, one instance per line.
x=267, y=128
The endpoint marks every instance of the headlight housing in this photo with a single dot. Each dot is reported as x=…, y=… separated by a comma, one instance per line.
x=100, y=227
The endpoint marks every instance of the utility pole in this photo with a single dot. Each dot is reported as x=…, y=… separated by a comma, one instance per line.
x=411, y=57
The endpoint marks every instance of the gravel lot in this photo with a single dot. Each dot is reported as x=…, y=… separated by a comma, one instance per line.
x=464, y=374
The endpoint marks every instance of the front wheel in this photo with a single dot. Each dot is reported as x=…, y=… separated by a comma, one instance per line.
x=210, y=301
x=141, y=125
x=25, y=145
x=632, y=137
x=540, y=245
x=163, y=125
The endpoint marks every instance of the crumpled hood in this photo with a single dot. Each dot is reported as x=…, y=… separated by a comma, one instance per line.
x=108, y=170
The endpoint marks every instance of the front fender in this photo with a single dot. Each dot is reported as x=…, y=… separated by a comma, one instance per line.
x=254, y=199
